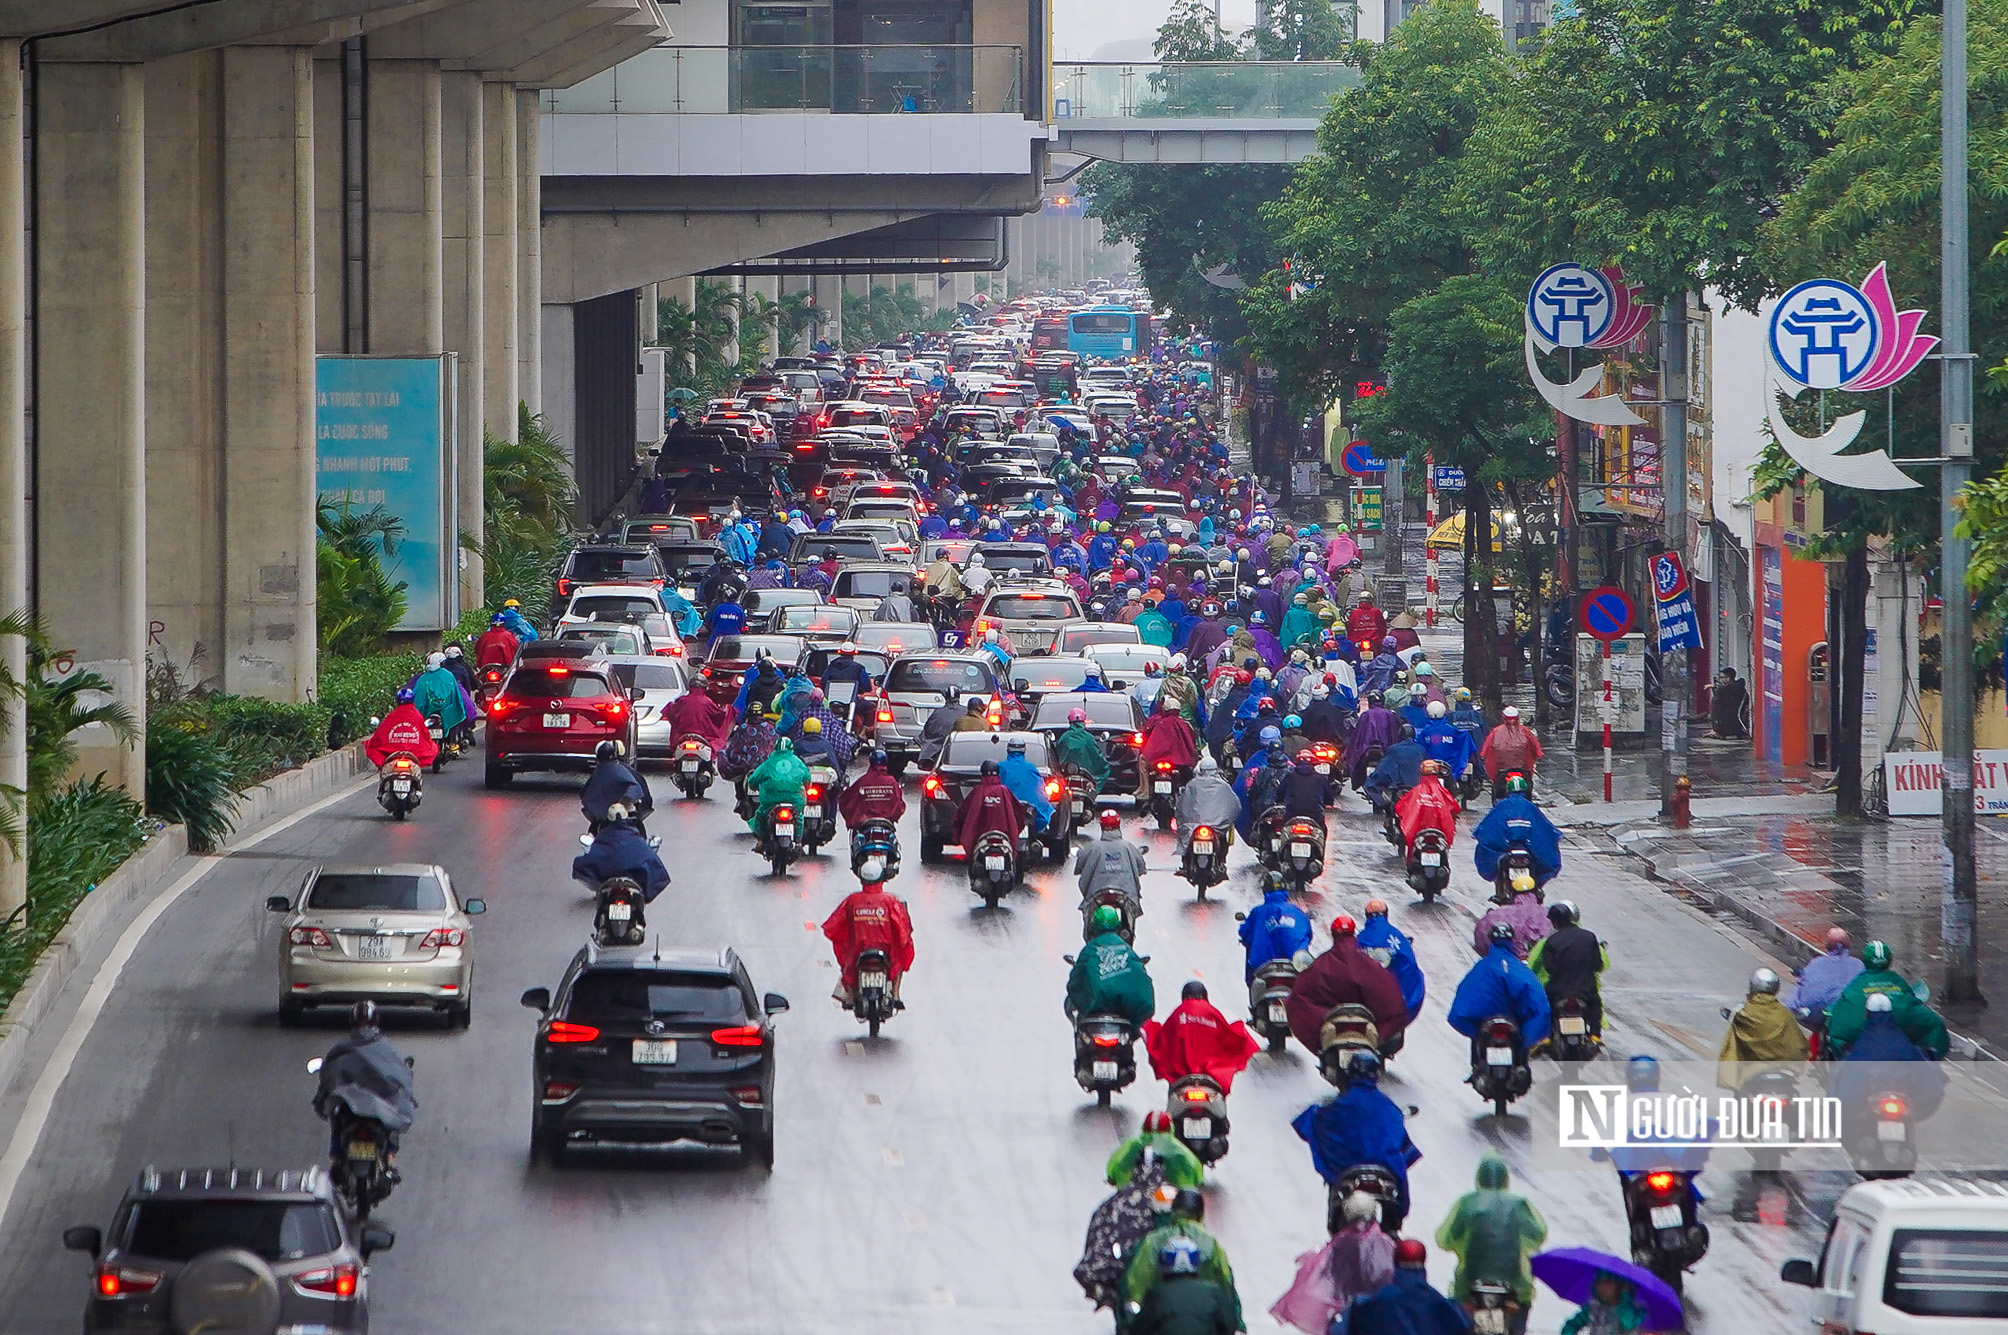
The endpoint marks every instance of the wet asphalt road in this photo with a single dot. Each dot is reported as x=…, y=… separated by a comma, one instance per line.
x=935, y=1180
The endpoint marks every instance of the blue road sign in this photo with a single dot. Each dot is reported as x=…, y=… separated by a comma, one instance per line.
x=1359, y=459
x=1673, y=602
x=1449, y=479
x=1606, y=613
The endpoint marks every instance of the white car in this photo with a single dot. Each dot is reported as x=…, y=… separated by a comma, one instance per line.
x=1912, y=1256
x=656, y=683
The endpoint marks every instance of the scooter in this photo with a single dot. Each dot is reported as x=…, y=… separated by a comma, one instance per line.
x=362, y=1176
x=490, y=681
x=619, y=912
x=694, y=765
x=1167, y=781
x=1572, y=1041
x=1471, y=784
x=1515, y=876
x=1269, y=1001
x=1301, y=859
x=1493, y=1307
x=1081, y=792
x=1198, y=1109
x=872, y=1000
x=1429, y=863
x=1667, y=1236
x=1499, y=1070
x=1123, y=904
x=782, y=845
x=399, y=787
x=1369, y=762
x=1391, y=821
x=744, y=803
x=1205, y=860
x=993, y=867
x=1266, y=837
x=1346, y=1029
x=819, y=808
x=1104, y=1054
x=875, y=852
x=448, y=747
x=1371, y=1179
x=1325, y=759
x=1881, y=1139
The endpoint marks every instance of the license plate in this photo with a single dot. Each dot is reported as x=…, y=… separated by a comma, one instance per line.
x=1498, y=1056
x=814, y=813
x=436, y=733
x=1432, y=859
x=1300, y=849
x=400, y=786
x=871, y=980
x=994, y=862
x=691, y=767
x=1161, y=786
x=1573, y=1024
x=1102, y=1071
x=655, y=1052
x=785, y=831
x=557, y=720
x=362, y=1149
x=620, y=910
x=1199, y=1128
x=1488, y=1321
x=1202, y=846
x=1278, y=1014
x=1325, y=770
x=1666, y=1216
x=373, y=948
x=1080, y=807
x=1892, y=1131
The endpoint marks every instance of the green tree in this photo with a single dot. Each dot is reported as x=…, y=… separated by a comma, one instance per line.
x=359, y=604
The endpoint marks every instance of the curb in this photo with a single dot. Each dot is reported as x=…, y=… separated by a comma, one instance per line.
x=104, y=912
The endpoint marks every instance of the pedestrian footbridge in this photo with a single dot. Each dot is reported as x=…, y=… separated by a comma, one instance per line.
x=1228, y=111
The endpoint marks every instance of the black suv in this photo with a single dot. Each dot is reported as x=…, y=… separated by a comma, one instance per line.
x=649, y=1048
x=177, y=1228
x=607, y=563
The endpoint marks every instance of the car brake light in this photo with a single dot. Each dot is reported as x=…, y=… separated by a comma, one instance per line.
x=119, y=1281
x=885, y=716
x=930, y=785
x=738, y=1036
x=1660, y=1182
x=1103, y=1040
x=1136, y=739
x=557, y=1091
x=309, y=936
x=443, y=936
x=614, y=708
x=334, y=1282
x=748, y=1094
x=1196, y=1094
x=564, y=1031
x=1890, y=1107
x=561, y=672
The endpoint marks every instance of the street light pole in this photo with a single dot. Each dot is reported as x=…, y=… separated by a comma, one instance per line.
x=1958, y=909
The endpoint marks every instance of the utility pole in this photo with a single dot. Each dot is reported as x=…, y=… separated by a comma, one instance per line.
x=1958, y=910
x=1673, y=493
x=1393, y=507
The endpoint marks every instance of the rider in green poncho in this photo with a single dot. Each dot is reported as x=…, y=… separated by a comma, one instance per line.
x=1187, y=1210
x=1848, y=1016
x=1300, y=622
x=1493, y=1232
x=780, y=778
x=1078, y=746
x=1108, y=978
x=1182, y=1167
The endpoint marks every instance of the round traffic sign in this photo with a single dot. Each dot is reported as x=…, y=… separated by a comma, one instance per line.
x=1359, y=459
x=1605, y=612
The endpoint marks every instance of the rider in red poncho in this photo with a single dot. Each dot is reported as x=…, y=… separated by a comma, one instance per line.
x=1366, y=624
x=1343, y=974
x=696, y=712
x=1427, y=806
x=403, y=729
x=870, y=919
x=1196, y=1039
x=989, y=806
x=496, y=645
x=875, y=795
x=1169, y=737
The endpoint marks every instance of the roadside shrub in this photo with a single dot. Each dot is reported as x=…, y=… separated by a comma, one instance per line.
x=193, y=776
x=76, y=837
x=268, y=736
x=354, y=689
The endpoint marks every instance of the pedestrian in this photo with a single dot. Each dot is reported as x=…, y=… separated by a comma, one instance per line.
x=1728, y=705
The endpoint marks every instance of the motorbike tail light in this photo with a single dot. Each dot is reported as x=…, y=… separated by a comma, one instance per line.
x=1660, y=1182
x=443, y=936
x=1136, y=739
x=1196, y=1095
x=1500, y=1033
x=1301, y=828
x=564, y=1031
x=334, y=1282
x=1104, y=1040
x=1164, y=767
x=118, y=1281
x=738, y=1036
x=813, y=792
x=930, y=785
x=1203, y=832
x=310, y=936
x=783, y=813
x=1890, y=1107
x=1053, y=788
x=557, y=1091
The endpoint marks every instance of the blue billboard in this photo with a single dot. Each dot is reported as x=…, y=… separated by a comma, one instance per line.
x=383, y=435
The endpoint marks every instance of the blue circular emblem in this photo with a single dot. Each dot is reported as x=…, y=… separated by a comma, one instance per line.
x=1824, y=333
x=1570, y=306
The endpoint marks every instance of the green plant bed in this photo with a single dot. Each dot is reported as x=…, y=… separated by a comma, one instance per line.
x=77, y=836
x=353, y=690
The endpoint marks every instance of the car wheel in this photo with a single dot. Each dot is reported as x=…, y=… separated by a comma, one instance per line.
x=497, y=776
x=930, y=848
x=896, y=766
x=461, y=1014
x=291, y=1013
x=546, y=1145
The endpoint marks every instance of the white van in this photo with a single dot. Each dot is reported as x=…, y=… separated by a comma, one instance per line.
x=1916, y=1256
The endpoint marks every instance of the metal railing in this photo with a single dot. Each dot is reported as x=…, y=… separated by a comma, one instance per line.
x=856, y=80
x=1223, y=89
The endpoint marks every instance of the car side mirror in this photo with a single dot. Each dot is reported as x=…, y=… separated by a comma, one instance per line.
x=474, y=908
x=538, y=999
x=277, y=903
x=1799, y=1271
x=774, y=1003
x=635, y=694
x=374, y=720
x=376, y=1238
x=84, y=1238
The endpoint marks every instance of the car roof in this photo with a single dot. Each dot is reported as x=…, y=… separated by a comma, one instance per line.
x=310, y=1183
x=999, y=742
x=624, y=548
x=1084, y=700
x=681, y=959
x=1927, y=1193
x=561, y=649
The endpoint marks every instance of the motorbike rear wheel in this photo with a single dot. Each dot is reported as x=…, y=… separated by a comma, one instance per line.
x=1499, y=1102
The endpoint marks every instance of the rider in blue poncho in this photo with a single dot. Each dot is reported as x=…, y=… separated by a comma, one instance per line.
x=1275, y=929
x=1360, y=1126
x=1388, y=944
x=1022, y=777
x=1514, y=819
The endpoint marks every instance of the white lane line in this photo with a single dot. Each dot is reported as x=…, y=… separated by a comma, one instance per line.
x=42, y=1100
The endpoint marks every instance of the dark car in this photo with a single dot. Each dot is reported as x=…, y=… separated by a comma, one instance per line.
x=172, y=1223
x=652, y=1048
x=944, y=787
x=731, y=655
x=686, y=562
x=1113, y=716
x=552, y=715
x=608, y=563
x=808, y=548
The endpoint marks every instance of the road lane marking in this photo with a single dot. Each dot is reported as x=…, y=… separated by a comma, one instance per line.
x=42, y=1099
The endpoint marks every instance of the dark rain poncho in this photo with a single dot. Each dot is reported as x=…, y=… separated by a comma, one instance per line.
x=1113, y=1231
x=371, y=1080
x=1493, y=1232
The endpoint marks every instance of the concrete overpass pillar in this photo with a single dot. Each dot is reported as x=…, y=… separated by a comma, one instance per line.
x=463, y=193
x=529, y=251
x=829, y=290
x=406, y=238
x=90, y=485
x=14, y=480
x=501, y=306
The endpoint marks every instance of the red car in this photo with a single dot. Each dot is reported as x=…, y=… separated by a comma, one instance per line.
x=552, y=715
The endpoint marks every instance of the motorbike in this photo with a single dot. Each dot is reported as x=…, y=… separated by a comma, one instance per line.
x=1347, y=1028
x=1198, y=1109
x=1266, y=836
x=875, y=852
x=1667, y=1236
x=1325, y=759
x=362, y=1176
x=1104, y=1054
x=783, y=843
x=490, y=681
x=872, y=999
x=1515, y=876
x=1301, y=858
x=993, y=867
x=1429, y=863
x=619, y=917
x=1205, y=860
x=449, y=747
x=1368, y=764
x=1122, y=903
x=1166, y=782
x=1373, y=1180
x=1391, y=821
x=1881, y=1139
x=1471, y=784
x=1493, y=1308
x=1499, y=1070
x=819, y=808
x=693, y=766
x=1572, y=1040
x=1082, y=792
x=744, y=802
x=1269, y=1000
x=399, y=787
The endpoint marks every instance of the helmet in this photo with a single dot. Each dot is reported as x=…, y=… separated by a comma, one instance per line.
x=1376, y=908
x=1093, y=672
x=1189, y=1203
x=812, y=726
x=1409, y=1254
x=1293, y=721
x=1876, y=955
x=1107, y=918
x=1387, y=641
x=952, y=694
x=1464, y=693
x=510, y=602
x=1077, y=716
x=363, y=1015
x=1156, y=1123
x=1015, y=747
x=1193, y=991
x=1836, y=937
x=1111, y=820
x=1364, y=1065
x=1763, y=981
x=618, y=812
x=1207, y=764
x=1436, y=709
x=1436, y=767
x=1878, y=1003
x=498, y=620
x=1343, y=926
x=877, y=759
x=1516, y=782
x=1563, y=912
x=990, y=635
x=1177, y=663
x=404, y=695
x=989, y=769
x=976, y=558
x=1642, y=1075
x=847, y=648
x=1501, y=932
x=1510, y=711
x=607, y=750
x=1271, y=736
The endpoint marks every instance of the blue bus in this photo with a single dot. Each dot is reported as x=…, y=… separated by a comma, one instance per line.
x=1109, y=332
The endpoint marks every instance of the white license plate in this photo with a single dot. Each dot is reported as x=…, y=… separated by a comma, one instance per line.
x=1498, y=1056
x=1432, y=859
x=1199, y=1128
x=620, y=910
x=1573, y=1024
x=1488, y=1321
x=995, y=862
x=374, y=948
x=1278, y=1014
x=1202, y=846
x=1102, y=1071
x=691, y=767
x=871, y=980
x=400, y=786
x=1161, y=786
x=1892, y=1131
x=1325, y=770
x=1080, y=807
x=814, y=813
x=786, y=831
x=362, y=1149
x=1666, y=1216
x=655, y=1052
x=557, y=720
x=1300, y=849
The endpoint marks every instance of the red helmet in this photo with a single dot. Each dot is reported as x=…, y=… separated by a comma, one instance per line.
x=1157, y=1123
x=1111, y=820
x=1410, y=1254
x=1343, y=926
x=1242, y=676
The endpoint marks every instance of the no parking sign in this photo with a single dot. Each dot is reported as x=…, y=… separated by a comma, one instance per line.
x=1605, y=612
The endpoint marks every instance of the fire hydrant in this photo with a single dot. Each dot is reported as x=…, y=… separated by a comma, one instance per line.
x=1683, y=794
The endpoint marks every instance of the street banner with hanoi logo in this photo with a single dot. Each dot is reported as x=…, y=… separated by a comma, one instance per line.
x=1673, y=601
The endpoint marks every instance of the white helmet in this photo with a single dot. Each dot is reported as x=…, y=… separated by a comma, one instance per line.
x=1436, y=709
x=1206, y=763
x=976, y=558
x=1177, y=663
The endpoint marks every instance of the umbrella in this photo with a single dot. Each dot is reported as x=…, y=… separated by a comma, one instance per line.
x=1572, y=1272
x=681, y=395
x=1449, y=535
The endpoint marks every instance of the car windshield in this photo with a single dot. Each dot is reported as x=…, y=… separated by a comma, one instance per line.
x=681, y=560
x=655, y=994
x=1033, y=607
x=847, y=546
x=611, y=607
x=968, y=750
x=895, y=637
x=588, y=566
x=181, y=1230
x=1104, y=711
x=660, y=675
x=557, y=683
x=1948, y=1273
x=869, y=583
x=1004, y=558
x=938, y=674
x=617, y=639
x=384, y=892
x=768, y=600
x=817, y=617
x=741, y=649
x=1080, y=637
